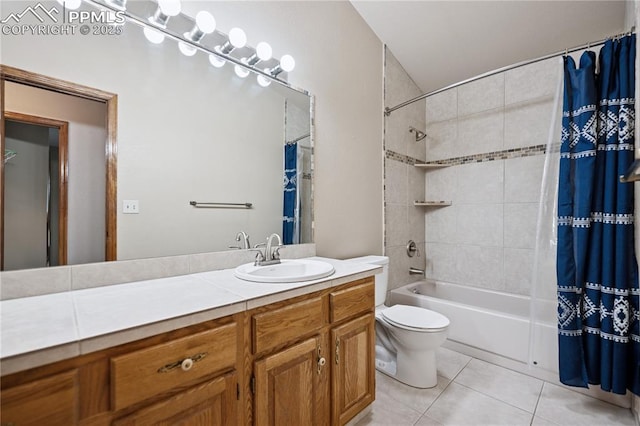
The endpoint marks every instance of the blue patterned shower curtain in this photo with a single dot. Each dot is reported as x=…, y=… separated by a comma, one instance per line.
x=290, y=210
x=598, y=313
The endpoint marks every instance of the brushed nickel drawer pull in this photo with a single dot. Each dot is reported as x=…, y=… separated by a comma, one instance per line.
x=185, y=364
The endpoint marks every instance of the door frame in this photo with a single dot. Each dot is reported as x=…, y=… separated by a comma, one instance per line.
x=40, y=81
x=63, y=173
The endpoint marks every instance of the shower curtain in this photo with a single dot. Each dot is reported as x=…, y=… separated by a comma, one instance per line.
x=290, y=215
x=597, y=272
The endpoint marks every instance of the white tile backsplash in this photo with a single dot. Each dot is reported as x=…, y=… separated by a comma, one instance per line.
x=523, y=179
x=480, y=183
x=527, y=124
x=532, y=81
x=442, y=140
x=520, y=222
x=481, y=95
x=488, y=236
x=480, y=133
x=480, y=224
x=442, y=106
x=518, y=270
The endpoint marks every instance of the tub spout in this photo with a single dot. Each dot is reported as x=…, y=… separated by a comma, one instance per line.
x=416, y=271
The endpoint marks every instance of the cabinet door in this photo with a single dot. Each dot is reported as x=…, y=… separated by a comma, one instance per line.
x=291, y=386
x=212, y=403
x=49, y=401
x=353, y=378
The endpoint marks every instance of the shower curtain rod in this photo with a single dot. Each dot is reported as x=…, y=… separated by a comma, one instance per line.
x=388, y=111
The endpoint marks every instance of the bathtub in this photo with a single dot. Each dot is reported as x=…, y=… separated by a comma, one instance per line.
x=492, y=322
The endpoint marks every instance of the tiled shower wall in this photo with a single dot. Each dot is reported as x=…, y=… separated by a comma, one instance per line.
x=403, y=183
x=493, y=134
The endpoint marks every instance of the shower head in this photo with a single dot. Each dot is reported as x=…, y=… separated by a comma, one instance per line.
x=419, y=134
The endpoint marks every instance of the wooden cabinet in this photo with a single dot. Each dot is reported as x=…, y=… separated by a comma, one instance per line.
x=52, y=400
x=290, y=387
x=212, y=403
x=314, y=357
x=307, y=360
x=353, y=378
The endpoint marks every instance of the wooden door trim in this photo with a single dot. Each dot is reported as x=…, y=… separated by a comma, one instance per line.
x=63, y=171
x=17, y=75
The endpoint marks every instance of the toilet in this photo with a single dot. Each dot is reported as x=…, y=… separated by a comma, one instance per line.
x=407, y=337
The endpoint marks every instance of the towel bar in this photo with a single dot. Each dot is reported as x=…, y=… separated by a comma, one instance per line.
x=221, y=205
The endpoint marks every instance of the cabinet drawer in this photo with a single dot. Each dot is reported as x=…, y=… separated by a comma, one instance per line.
x=279, y=326
x=149, y=372
x=353, y=300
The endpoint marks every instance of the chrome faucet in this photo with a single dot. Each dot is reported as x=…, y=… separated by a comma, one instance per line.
x=242, y=236
x=271, y=255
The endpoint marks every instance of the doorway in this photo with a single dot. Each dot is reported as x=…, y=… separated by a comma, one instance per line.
x=35, y=180
x=62, y=227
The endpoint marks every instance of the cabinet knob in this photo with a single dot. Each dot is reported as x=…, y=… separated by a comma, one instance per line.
x=186, y=365
x=322, y=362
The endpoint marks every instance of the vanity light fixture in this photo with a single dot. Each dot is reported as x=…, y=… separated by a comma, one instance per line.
x=237, y=39
x=205, y=24
x=118, y=4
x=262, y=80
x=154, y=36
x=263, y=53
x=287, y=64
x=70, y=4
x=165, y=10
x=155, y=28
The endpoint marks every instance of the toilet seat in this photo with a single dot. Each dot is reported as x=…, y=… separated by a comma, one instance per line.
x=415, y=318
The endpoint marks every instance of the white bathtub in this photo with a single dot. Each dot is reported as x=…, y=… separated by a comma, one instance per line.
x=490, y=321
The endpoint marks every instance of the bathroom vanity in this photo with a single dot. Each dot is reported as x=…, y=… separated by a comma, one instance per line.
x=298, y=353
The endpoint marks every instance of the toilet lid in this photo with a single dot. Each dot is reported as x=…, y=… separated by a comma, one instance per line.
x=415, y=317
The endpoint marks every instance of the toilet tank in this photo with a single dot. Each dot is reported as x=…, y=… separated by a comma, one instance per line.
x=382, y=278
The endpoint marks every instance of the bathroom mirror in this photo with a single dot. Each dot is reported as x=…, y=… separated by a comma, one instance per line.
x=186, y=131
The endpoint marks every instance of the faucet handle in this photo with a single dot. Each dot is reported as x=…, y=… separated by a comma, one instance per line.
x=259, y=255
x=276, y=251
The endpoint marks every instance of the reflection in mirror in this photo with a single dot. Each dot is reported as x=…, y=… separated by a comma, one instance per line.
x=186, y=131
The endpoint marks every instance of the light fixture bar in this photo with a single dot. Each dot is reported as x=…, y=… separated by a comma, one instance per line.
x=179, y=38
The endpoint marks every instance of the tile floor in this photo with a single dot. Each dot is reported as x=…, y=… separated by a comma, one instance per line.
x=474, y=392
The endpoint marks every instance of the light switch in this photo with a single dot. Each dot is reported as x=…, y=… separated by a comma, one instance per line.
x=130, y=207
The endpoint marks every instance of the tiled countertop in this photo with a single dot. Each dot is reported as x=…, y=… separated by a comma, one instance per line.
x=42, y=329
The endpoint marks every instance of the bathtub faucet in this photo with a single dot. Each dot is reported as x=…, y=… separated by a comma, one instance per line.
x=416, y=271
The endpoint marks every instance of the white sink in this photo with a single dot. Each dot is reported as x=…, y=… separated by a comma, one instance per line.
x=287, y=271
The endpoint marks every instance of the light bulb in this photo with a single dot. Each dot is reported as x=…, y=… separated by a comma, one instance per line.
x=170, y=7
x=70, y=4
x=240, y=71
x=237, y=37
x=287, y=63
x=264, y=51
x=118, y=4
x=216, y=61
x=262, y=80
x=186, y=50
x=154, y=36
x=205, y=22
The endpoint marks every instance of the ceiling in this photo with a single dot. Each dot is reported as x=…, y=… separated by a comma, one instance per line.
x=443, y=42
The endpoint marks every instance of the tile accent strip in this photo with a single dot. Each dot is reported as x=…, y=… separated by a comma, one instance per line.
x=506, y=154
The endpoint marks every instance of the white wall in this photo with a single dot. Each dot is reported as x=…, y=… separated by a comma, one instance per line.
x=487, y=237
x=338, y=60
x=87, y=137
x=404, y=183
